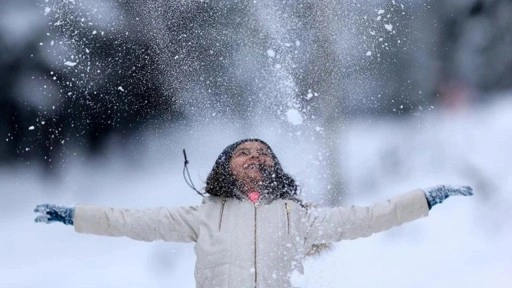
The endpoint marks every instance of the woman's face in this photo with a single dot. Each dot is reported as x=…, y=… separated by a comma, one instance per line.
x=248, y=161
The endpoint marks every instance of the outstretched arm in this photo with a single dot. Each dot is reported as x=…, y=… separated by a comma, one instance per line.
x=169, y=224
x=339, y=223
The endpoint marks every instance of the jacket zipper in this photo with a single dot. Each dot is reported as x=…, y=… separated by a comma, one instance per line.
x=221, y=213
x=287, y=209
x=255, y=245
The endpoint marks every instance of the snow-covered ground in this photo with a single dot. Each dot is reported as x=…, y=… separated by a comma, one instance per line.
x=465, y=242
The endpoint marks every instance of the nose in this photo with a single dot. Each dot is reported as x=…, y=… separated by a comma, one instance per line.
x=254, y=154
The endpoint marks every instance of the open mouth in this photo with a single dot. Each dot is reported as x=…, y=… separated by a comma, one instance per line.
x=253, y=166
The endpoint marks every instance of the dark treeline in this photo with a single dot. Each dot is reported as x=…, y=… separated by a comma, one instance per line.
x=80, y=79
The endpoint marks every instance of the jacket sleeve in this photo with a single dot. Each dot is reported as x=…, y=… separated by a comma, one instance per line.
x=340, y=223
x=168, y=224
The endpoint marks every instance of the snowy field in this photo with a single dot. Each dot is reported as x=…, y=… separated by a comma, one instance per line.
x=465, y=242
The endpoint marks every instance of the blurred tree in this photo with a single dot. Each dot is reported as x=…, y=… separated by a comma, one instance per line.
x=76, y=86
x=468, y=46
x=111, y=66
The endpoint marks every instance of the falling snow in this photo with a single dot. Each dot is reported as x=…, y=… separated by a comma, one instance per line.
x=237, y=62
x=70, y=63
x=293, y=116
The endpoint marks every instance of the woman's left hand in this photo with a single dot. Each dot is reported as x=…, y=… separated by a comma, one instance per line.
x=437, y=194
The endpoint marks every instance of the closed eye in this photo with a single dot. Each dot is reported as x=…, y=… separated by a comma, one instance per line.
x=242, y=152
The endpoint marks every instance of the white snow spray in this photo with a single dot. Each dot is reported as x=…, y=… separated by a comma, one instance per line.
x=298, y=68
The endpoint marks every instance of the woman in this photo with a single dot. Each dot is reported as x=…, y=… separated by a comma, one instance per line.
x=251, y=230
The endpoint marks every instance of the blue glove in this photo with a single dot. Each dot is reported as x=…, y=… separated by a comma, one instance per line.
x=53, y=213
x=437, y=194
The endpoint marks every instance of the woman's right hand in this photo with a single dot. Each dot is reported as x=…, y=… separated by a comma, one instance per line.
x=50, y=213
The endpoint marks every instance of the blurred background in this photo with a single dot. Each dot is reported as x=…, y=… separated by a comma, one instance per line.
x=361, y=101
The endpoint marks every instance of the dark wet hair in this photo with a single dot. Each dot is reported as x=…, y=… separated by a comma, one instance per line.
x=277, y=183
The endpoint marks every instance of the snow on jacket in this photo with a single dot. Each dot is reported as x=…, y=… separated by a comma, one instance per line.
x=239, y=244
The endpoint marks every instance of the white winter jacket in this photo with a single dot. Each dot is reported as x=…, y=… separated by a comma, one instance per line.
x=239, y=244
